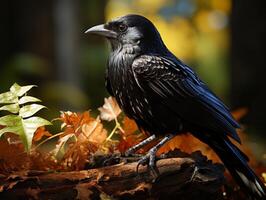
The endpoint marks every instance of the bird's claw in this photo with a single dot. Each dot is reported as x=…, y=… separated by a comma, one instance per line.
x=150, y=160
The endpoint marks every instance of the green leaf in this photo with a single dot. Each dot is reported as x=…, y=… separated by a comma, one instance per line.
x=30, y=125
x=25, y=128
x=10, y=120
x=22, y=124
x=13, y=108
x=8, y=97
x=36, y=121
x=28, y=99
x=29, y=110
x=20, y=90
x=11, y=129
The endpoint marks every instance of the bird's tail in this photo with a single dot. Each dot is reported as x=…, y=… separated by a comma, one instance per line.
x=236, y=163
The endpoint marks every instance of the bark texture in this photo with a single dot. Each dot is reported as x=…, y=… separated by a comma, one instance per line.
x=183, y=177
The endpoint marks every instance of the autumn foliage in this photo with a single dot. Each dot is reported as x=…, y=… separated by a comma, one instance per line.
x=83, y=136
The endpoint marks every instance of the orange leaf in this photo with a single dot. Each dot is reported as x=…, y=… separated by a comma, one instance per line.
x=94, y=132
x=188, y=143
x=72, y=122
x=40, y=133
x=170, y=145
x=75, y=119
x=90, y=135
x=129, y=126
x=12, y=155
x=239, y=113
x=126, y=143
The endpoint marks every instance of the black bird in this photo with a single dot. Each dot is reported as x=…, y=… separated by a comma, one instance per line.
x=165, y=97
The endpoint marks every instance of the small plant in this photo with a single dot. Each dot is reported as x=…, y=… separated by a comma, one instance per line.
x=23, y=107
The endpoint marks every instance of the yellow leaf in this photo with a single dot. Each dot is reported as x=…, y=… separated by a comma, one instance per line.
x=264, y=177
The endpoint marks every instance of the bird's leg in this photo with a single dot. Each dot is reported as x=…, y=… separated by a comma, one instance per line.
x=149, y=158
x=133, y=149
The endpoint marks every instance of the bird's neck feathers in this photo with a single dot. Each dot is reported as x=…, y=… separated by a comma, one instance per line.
x=127, y=48
x=122, y=55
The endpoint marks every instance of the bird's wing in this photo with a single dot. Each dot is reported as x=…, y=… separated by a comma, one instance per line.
x=177, y=87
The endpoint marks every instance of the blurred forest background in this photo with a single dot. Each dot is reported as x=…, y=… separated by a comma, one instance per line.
x=43, y=43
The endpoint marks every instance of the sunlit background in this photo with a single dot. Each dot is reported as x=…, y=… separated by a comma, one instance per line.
x=43, y=43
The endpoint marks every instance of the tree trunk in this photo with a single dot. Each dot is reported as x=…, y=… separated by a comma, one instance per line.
x=67, y=32
x=248, y=60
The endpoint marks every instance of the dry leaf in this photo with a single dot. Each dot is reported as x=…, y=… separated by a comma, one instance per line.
x=94, y=132
x=125, y=144
x=89, y=134
x=129, y=126
x=110, y=110
x=73, y=121
x=239, y=113
x=60, y=146
x=43, y=161
x=12, y=156
x=130, y=136
x=77, y=155
x=40, y=133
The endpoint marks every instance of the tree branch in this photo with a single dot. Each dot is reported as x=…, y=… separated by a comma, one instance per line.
x=182, y=176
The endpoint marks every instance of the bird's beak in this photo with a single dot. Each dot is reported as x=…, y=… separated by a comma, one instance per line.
x=101, y=30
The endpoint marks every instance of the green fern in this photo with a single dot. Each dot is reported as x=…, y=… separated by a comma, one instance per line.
x=23, y=107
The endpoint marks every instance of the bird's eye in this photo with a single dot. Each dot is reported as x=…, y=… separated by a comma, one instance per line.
x=122, y=27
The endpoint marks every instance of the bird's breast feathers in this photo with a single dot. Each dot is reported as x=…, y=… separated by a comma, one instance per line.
x=175, y=89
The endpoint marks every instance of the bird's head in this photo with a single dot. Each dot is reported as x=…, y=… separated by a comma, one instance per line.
x=131, y=30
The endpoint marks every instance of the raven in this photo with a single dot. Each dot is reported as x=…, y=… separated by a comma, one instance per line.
x=165, y=97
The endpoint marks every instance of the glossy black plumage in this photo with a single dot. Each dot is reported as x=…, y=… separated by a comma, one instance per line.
x=164, y=96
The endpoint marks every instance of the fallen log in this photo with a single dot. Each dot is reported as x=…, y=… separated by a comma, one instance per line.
x=182, y=176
